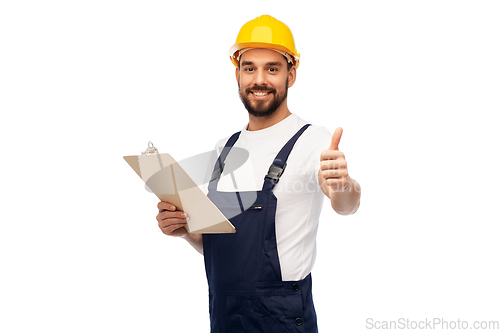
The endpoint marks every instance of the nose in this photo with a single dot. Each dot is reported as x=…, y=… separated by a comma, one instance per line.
x=260, y=78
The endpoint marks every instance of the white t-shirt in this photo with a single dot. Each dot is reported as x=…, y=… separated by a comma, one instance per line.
x=300, y=198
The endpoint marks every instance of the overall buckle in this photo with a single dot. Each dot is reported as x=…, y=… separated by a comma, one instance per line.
x=217, y=173
x=275, y=172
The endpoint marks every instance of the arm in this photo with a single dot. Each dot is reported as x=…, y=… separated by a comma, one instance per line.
x=347, y=200
x=196, y=241
x=343, y=191
x=171, y=222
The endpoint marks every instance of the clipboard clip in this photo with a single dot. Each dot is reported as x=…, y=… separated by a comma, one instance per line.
x=151, y=149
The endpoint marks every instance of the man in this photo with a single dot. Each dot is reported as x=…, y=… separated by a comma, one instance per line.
x=259, y=278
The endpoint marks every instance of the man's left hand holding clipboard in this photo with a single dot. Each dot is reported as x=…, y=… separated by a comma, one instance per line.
x=184, y=210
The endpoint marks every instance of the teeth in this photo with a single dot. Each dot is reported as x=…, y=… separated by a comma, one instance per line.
x=260, y=93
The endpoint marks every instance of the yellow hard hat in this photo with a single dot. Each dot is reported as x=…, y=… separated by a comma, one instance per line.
x=265, y=32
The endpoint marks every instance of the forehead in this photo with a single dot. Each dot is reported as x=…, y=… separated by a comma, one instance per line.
x=262, y=56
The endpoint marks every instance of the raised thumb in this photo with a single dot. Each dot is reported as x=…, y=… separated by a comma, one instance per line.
x=336, y=139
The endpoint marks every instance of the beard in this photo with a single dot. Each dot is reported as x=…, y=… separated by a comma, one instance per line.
x=263, y=108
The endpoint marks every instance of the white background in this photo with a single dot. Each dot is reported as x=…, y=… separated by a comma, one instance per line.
x=414, y=84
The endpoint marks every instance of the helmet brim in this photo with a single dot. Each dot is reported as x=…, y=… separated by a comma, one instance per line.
x=234, y=51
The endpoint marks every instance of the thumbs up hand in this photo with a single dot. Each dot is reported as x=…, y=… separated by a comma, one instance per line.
x=333, y=166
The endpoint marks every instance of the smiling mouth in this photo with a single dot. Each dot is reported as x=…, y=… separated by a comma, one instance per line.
x=260, y=94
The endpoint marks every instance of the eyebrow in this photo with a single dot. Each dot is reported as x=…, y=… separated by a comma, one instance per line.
x=272, y=63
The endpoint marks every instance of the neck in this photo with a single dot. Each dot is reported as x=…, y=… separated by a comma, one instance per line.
x=259, y=123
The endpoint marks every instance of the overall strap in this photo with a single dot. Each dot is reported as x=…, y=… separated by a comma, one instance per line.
x=219, y=165
x=278, y=167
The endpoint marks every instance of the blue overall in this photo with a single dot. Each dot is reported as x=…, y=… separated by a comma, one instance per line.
x=246, y=291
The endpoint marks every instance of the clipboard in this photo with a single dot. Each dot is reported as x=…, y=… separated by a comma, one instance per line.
x=166, y=178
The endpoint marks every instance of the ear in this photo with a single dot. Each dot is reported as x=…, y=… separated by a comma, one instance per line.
x=292, y=75
x=237, y=73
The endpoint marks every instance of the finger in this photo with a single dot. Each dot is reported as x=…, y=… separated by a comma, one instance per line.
x=168, y=227
x=178, y=232
x=334, y=174
x=331, y=155
x=174, y=230
x=167, y=215
x=163, y=206
x=333, y=164
x=336, y=138
x=168, y=222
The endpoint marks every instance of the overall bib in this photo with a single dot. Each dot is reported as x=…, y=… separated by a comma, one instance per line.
x=246, y=291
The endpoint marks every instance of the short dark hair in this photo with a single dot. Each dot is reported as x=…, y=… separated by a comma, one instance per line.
x=289, y=64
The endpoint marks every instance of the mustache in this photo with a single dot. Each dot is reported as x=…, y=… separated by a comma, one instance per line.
x=260, y=88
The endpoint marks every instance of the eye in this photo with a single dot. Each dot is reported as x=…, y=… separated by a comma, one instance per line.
x=272, y=69
x=249, y=69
